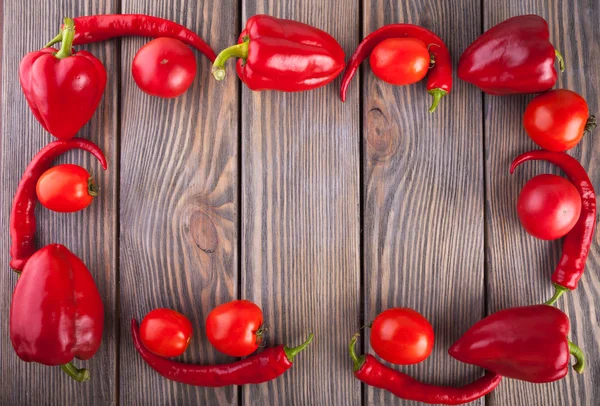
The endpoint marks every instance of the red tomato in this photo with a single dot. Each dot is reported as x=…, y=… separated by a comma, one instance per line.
x=164, y=67
x=166, y=332
x=66, y=188
x=549, y=206
x=401, y=336
x=556, y=120
x=234, y=328
x=400, y=61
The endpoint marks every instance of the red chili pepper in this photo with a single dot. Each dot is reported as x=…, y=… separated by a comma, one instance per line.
x=258, y=368
x=285, y=55
x=577, y=242
x=56, y=313
x=106, y=26
x=439, y=81
x=22, y=215
x=514, y=56
x=372, y=372
x=528, y=343
x=63, y=89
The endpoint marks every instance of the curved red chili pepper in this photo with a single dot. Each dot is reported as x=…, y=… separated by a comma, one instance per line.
x=22, y=215
x=372, y=372
x=576, y=244
x=439, y=80
x=96, y=28
x=258, y=368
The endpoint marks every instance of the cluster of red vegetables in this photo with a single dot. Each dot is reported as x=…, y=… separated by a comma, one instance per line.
x=528, y=343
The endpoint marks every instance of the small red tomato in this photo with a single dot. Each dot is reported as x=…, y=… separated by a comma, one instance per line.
x=402, y=336
x=234, y=328
x=400, y=61
x=166, y=332
x=66, y=188
x=164, y=67
x=556, y=120
x=548, y=206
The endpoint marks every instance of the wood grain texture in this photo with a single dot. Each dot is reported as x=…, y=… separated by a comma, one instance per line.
x=423, y=194
x=178, y=208
x=519, y=265
x=300, y=211
x=90, y=234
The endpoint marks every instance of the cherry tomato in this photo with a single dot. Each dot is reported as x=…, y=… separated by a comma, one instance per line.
x=401, y=336
x=400, y=61
x=66, y=188
x=556, y=120
x=164, y=67
x=549, y=206
x=166, y=332
x=234, y=328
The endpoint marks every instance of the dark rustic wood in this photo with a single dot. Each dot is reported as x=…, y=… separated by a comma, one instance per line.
x=300, y=219
x=90, y=234
x=178, y=202
x=423, y=194
x=519, y=266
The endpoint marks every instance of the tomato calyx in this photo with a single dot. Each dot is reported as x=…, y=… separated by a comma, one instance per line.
x=92, y=188
x=431, y=56
x=590, y=124
x=260, y=336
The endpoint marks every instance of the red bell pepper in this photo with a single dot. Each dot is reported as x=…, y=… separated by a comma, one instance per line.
x=286, y=55
x=528, y=343
x=62, y=88
x=56, y=313
x=512, y=57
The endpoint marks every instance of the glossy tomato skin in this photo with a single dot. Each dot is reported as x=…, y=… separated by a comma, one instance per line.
x=556, y=120
x=65, y=188
x=548, y=206
x=165, y=332
x=164, y=67
x=232, y=328
x=400, y=61
x=402, y=336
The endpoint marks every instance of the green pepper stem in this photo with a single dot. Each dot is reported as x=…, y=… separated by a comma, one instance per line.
x=92, y=188
x=234, y=51
x=80, y=375
x=590, y=124
x=290, y=353
x=578, y=354
x=358, y=360
x=68, y=35
x=55, y=40
x=437, y=96
x=558, y=292
x=561, y=60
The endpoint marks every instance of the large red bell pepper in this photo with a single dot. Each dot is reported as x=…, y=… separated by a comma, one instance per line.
x=56, y=312
x=512, y=57
x=286, y=55
x=528, y=343
x=62, y=88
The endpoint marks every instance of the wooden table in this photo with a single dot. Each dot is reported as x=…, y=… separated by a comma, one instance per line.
x=322, y=212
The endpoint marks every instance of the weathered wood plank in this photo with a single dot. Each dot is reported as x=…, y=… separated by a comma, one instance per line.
x=178, y=202
x=519, y=265
x=300, y=219
x=90, y=234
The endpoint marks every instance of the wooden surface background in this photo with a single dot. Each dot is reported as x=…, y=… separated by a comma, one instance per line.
x=322, y=212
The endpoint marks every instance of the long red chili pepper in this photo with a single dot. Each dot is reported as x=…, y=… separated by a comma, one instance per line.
x=259, y=368
x=576, y=244
x=106, y=26
x=22, y=215
x=439, y=80
x=372, y=372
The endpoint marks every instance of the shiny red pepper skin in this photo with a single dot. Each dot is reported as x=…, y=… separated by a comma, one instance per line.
x=22, y=215
x=56, y=313
x=106, y=26
x=512, y=57
x=262, y=367
x=62, y=89
x=439, y=79
x=576, y=244
x=284, y=55
x=528, y=343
